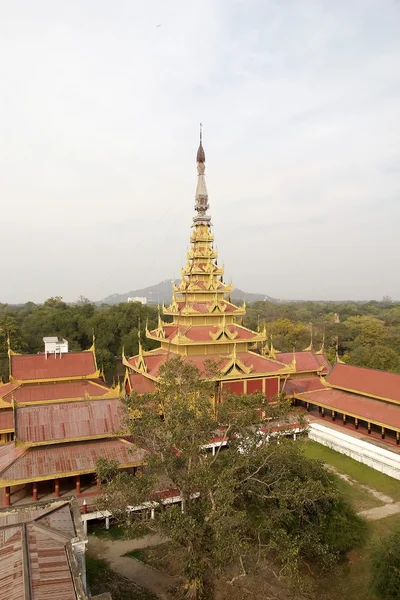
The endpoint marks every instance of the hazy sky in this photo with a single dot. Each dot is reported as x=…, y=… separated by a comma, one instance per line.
x=99, y=109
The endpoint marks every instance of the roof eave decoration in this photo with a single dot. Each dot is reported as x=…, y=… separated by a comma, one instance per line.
x=235, y=366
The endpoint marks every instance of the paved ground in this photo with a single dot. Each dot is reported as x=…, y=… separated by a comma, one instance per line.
x=380, y=512
x=143, y=575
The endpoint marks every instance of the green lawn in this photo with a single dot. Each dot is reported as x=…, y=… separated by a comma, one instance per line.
x=361, y=473
x=103, y=579
x=351, y=579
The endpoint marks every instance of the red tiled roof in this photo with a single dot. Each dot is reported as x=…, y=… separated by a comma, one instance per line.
x=45, y=462
x=201, y=333
x=52, y=422
x=366, y=409
x=37, y=366
x=6, y=419
x=7, y=388
x=57, y=391
x=302, y=384
x=141, y=384
x=378, y=384
x=203, y=307
x=305, y=361
x=260, y=364
x=153, y=360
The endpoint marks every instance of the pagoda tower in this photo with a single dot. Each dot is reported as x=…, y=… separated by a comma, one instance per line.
x=205, y=323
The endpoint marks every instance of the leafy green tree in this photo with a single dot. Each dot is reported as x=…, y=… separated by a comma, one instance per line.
x=377, y=357
x=255, y=499
x=385, y=568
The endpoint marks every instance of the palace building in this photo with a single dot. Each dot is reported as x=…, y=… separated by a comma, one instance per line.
x=57, y=417
x=207, y=325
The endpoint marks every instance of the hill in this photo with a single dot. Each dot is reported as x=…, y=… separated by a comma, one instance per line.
x=161, y=293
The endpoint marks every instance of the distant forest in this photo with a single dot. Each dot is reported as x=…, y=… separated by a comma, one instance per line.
x=364, y=334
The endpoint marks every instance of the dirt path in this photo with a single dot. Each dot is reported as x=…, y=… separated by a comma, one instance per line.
x=143, y=575
x=378, y=495
x=380, y=512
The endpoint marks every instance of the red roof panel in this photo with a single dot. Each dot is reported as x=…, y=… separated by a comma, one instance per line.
x=9, y=453
x=49, y=568
x=366, y=409
x=12, y=571
x=44, y=462
x=203, y=307
x=37, y=366
x=260, y=364
x=41, y=556
x=57, y=391
x=302, y=384
x=201, y=333
x=52, y=422
x=141, y=384
x=6, y=419
x=378, y=384
x=305, y=361
x=8, y=388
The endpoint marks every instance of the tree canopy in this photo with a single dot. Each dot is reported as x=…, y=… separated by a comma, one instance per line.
x=365, y=334
x=261, y=497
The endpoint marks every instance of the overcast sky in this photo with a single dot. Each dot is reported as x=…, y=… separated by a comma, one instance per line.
x=100, y=103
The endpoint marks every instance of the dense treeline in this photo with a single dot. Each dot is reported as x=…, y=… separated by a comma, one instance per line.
x=365, y=334
x=114, y=327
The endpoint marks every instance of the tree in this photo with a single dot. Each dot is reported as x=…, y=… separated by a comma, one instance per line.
x=377, y=357
x=385, y=572
x=254, y=499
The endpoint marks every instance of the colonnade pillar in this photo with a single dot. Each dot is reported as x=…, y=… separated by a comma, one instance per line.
x=57, y=488
x=35, y=494
x=7, y=496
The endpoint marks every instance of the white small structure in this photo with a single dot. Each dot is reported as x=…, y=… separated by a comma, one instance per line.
x=55, y=345
x=141, y=299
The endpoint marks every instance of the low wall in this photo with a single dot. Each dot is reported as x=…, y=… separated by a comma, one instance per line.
x=378, y=458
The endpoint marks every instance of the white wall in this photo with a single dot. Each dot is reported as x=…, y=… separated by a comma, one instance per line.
x=378, y=458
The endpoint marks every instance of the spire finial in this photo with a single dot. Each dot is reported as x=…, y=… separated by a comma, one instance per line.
x=201, y=157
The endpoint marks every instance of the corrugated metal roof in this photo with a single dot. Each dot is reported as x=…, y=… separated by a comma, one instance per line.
x=11, y=572
x=37, y=546
x=37, y=366
x=6, y=419
x=66, y=420
x=45, y=462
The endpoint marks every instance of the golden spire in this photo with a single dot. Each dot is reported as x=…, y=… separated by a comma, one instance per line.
x=201, y=205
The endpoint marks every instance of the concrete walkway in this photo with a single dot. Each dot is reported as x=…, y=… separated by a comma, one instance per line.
x=143, y=575
x=380, y=512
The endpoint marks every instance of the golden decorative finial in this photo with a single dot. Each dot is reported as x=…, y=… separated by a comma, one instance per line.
x=310, y=347
x=322, y=349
